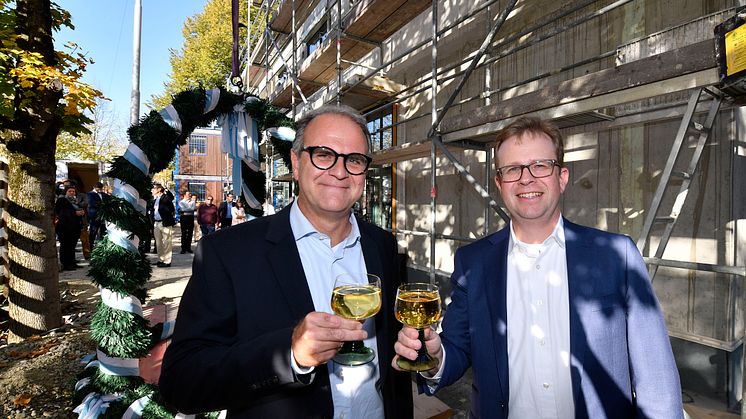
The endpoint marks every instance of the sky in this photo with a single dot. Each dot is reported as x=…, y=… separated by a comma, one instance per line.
x=103, y=30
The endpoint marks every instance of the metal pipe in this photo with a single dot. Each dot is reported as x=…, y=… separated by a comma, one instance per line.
x=339, y=52
x=433, y=159
x=135, y=95
x=428, y=40
x=293, y=57
x=482, y=49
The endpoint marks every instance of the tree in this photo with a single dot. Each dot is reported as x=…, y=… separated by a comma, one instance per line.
x=101, y=142
x=40, y=95
x=204, y=60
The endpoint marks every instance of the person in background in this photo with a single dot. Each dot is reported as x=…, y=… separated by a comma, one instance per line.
x=556, y=320
x=187, y=208
x=197, y=232
x=238, y=215
x=68, y=223
x=225, y=212
x=207, y=216
x=261, y=344
x=163, y=224
x=96, y=227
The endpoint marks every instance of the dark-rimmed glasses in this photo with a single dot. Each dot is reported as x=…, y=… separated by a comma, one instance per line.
x=537, y=169
x=324, y=158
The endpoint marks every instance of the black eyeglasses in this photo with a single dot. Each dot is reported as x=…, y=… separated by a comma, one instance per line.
x=537, y=169
x=324, y=158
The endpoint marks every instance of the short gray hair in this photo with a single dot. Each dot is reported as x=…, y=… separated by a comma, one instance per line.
x=343, y=110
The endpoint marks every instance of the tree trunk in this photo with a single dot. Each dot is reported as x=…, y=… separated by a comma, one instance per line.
x=33, y=269
x=29, y=148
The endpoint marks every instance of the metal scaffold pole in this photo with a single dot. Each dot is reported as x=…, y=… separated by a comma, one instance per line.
x=433, y=161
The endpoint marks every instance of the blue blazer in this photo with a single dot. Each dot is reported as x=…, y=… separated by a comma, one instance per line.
x=621, y=360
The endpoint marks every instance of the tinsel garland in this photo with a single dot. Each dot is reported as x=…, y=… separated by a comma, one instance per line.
x=110, y=387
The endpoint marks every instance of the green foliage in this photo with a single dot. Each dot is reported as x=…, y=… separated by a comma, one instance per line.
x=101, y=142
x=118, y=269
x=26, y=74
x=122, y=334
x=204, y=60
x=124, y=215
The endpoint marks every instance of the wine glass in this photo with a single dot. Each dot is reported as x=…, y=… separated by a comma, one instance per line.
x=418, y=306
x=356, y=297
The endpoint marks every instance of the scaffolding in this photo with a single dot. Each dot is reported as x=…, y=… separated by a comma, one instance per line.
x=338, y=69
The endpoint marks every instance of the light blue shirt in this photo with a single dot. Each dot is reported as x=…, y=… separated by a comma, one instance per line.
x=354, y=390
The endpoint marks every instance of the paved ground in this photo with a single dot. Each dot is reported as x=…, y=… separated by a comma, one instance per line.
x=167, y=284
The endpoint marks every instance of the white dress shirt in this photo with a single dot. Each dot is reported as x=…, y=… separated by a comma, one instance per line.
x=538, y=316
x=354, y=390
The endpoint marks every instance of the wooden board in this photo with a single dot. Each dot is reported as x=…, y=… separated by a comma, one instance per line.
x=660, y=67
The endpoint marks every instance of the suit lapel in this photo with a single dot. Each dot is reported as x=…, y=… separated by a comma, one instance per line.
x=287, y=266
x=579, y=285
x=495, y=284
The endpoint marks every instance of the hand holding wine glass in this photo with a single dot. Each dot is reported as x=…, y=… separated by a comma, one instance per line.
x=356, y=297
x=417, y=306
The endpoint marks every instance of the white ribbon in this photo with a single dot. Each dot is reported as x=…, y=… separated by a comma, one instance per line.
x=250, y=199
x=134, y=411
x=129, y=194
x=94, y=405
x=138, y=158
x=118, y=366
x=122, y=237
x=171, y=117
x=82, y=383
x=122, y=302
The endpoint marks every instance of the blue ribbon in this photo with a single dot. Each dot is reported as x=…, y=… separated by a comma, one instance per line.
x=134, y=411
x=211, y=101
x=250, y=199
x=115, y=300
x=171, y=117
x=118, y=366
x=94, y=405
x=168, y=329
x=137, y=158
x=121, y=238
x=121, y=192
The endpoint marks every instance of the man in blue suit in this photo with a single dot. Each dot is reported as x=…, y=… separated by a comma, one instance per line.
x=557, y=320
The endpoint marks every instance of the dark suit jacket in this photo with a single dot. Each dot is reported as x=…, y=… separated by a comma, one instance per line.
x=618, y=338
x=167, y=210
x=231, y=344
x=223, y=210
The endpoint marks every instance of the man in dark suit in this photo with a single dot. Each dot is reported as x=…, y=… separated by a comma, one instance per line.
x=163, y=220
x=225, y=214
x=254, y=333
x=96, y=227
x=557, y=320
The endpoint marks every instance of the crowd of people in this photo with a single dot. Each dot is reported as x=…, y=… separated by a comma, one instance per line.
x=76, y=219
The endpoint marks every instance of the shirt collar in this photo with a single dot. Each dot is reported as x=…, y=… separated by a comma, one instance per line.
x=301, y=227
x=557, y=235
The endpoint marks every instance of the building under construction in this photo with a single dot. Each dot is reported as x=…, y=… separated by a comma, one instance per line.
x=654, y=133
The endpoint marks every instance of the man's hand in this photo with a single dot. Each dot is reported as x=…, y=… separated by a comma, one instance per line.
x=318, y=337
x=408, y=344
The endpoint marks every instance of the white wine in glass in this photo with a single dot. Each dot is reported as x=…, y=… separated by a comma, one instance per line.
x=418, y=306
x=356, y=297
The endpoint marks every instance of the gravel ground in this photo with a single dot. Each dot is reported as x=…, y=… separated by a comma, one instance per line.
x=37, y=375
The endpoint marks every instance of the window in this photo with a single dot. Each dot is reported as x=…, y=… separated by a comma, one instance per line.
x=198, y=145
x=377, y=204
x=381, y=130
x=197, y=189
x=315, y=40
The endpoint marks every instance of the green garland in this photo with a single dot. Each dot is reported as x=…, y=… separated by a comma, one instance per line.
x=120, y=333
